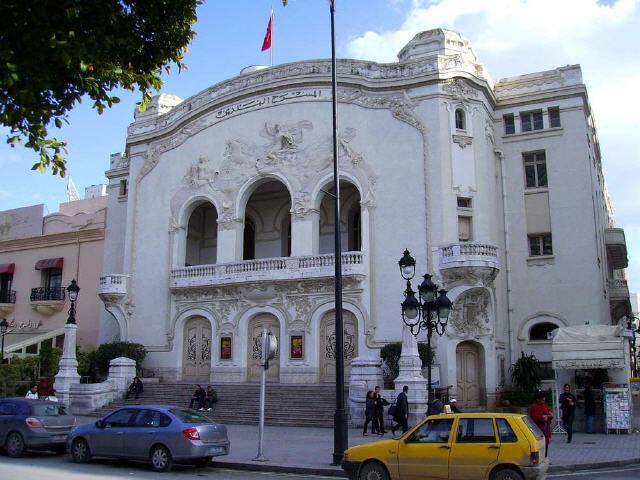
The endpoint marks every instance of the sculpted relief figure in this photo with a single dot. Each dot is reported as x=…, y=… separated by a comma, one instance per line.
x=285, y=140
x=199, y=173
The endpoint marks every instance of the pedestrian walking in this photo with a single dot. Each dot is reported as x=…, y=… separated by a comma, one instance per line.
x=568, y=404
x=368, y=413
x=198, y=398
x=378, y=410
x=542, y=415
x=589, y=408
x=402, y=411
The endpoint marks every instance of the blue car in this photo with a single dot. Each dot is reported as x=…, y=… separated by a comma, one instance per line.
x=160, y=435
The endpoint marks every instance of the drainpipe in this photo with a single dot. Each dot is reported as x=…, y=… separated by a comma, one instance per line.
x=507, y=249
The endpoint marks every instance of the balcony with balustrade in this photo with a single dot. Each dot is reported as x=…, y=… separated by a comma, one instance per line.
x=267, y=269
x=470, y=261
x=47, y=300
x=113, y=287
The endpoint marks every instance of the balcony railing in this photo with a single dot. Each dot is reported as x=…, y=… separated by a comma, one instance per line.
x=113, y=284
x=616, y=247
x=618, y=289
x=44, y=294
x=469, y=255
x=8, y=297
x=285, y=268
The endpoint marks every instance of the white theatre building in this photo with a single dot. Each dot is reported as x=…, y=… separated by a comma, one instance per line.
x=220, y=218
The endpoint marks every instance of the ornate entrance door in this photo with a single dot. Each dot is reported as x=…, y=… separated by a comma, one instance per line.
x=469, y=379
x=328, y=344
x=196, y=356
x=256, y=326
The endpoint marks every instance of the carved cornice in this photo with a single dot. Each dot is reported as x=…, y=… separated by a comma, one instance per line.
x=462, y=141
x=51, y=240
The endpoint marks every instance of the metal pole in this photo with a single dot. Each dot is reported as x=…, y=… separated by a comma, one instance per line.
x=263, y=380
x=2, y=355
x=340, y=417
x=429, y=332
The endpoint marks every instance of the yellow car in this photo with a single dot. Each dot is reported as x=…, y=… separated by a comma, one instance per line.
x=464, y=446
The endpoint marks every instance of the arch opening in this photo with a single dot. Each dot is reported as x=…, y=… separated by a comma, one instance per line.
x=202, y=236
x=350, y=220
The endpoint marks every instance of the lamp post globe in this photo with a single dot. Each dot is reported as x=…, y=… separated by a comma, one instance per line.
x=407, y=265
x=72, y=291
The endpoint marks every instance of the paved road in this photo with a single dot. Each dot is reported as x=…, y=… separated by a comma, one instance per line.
x=51, y=467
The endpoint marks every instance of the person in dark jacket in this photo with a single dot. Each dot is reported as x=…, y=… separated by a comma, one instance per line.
x=435, y=405
x=402, y=411
x=135, y=388
x=589, y=408
x=568, y=404
x=368, y=413
x=198, y=397
x=378, y=410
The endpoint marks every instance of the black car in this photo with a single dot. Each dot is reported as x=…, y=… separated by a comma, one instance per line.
x=33, y=424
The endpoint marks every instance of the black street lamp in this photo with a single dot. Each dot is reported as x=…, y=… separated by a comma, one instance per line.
x=429, y=311
x=73, y=291
x=4, y=325
x=632, y=344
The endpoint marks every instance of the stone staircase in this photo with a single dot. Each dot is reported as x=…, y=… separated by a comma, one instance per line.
x=285, y=404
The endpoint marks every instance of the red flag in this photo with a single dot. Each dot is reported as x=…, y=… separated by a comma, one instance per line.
x=266, y=43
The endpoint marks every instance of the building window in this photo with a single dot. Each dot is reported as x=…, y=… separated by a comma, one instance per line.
x=531, y=121
x=509, y=124
x=535, y=169
x=460, y=119
x=6, y=294
x=124, y=188
x=554, y=117
x=542, y=331
x=249, y=251
x=355, y=230
x=464, y=202
x=464, y=228
x=540, y=245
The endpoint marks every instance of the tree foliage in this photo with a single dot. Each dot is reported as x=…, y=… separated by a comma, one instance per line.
x=391, y=353
x=108, y=351
x=54, y=53
x=526, y=373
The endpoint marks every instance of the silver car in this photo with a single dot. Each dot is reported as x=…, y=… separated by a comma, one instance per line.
x=158, y=434
x=33, y=424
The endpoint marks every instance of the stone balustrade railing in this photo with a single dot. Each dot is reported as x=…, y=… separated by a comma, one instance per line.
x=113, y=284
x=284, y=268
x=467, y=254
x=618, y=288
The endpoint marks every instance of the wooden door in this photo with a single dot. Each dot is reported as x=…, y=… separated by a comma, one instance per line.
x=468, y=375
x=328, y=343
x=196, y=356
x=256, y=326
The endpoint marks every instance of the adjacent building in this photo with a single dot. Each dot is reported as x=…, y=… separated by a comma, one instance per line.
x=220, y=218
x=40, y=254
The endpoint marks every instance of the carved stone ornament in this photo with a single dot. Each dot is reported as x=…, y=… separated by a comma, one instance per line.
x=470, y=314
x=459, y=89
x=462, y=140
x=472, y=276
x=289, y=151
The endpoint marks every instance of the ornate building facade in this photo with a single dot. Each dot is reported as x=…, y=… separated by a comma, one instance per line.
x=220, y=220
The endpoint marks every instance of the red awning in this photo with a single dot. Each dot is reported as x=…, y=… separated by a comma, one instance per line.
x=49, y=263
x=7, y=268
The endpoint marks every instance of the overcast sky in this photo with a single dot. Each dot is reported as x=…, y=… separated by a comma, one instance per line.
x=511, y=37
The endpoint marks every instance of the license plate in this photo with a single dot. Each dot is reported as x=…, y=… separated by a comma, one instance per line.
x=57, y=438
x=216, y=451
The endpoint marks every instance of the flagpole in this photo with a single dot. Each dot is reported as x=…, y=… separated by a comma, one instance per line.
x=273, y=24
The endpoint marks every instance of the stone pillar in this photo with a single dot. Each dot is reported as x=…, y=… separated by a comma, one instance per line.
x=411, y=375
x=68, y=373
x=121, y=373
x=304, y=234
x=229, y=247
x=365, y=375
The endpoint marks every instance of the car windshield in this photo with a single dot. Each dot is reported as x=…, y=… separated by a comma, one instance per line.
x=47, y=410
x=189, y=416
x=533, y=427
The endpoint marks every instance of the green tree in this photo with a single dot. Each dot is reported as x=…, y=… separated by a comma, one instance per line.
x=391, y=353
x=526, y=373
x=54, y=53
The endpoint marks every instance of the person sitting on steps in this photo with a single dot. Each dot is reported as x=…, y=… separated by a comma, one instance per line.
x=135, y=388
x=210, y=398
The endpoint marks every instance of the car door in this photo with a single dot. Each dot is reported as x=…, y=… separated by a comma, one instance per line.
x=109, y=440
x=424, y=454
x=8, y=410
x=474, y=450
x=146, y=428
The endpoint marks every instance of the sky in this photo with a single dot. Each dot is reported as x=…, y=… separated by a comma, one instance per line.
x=511, y=37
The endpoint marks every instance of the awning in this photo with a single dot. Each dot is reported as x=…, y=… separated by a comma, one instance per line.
x=49, y=263
x=7, y=268
x=589, y=346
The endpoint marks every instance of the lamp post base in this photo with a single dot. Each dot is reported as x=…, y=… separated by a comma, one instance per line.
x=68, y=373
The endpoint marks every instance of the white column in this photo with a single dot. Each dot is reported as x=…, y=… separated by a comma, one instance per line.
x=229, y=242
x=411, y=375
x=304, y=235
x=68, y=373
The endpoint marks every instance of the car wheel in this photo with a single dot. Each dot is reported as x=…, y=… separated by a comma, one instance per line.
x=80, y=452
x=161, y=460
x=14, y=445
x=507, y=474
x=201, y=462
x=373, y=471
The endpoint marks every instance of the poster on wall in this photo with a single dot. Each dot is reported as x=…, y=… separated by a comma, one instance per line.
x=297, y=347
x=225, y=348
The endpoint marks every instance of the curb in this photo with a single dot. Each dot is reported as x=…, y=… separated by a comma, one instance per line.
x=339, y=473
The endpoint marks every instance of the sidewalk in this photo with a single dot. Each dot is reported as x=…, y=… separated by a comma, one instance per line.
x=309, y=450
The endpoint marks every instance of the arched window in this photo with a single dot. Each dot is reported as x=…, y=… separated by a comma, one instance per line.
x=249, y=250
x=202, y=236
x=460, y=120
x=542, y=331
